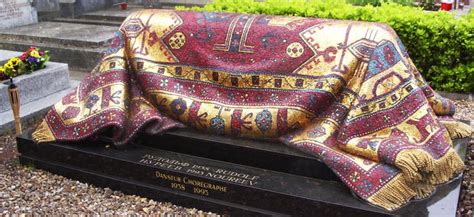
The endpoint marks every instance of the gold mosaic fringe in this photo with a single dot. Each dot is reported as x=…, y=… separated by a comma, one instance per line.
x=446, y=167
x=414, y=163
x=43, y=133
x=419, y=177
x=423, y=190
x=457, y=129
x=394, y=194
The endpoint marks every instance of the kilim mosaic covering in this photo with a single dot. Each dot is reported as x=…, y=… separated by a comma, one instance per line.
x=346, y=92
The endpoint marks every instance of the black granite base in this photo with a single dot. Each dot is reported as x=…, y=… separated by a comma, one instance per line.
x=228, y=176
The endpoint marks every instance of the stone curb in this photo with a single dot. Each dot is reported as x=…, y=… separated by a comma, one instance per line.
x=457, y=96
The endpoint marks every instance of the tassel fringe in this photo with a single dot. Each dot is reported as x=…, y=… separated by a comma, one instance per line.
x=446, y=168
x=394, y=194
x=43, y=133
x=419, y=177
x=414, y=163
x=457, y=130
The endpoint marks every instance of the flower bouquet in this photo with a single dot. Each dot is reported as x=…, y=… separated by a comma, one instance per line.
x=31, y=60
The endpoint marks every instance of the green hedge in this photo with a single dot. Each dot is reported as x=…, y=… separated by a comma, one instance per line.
x=441, y=46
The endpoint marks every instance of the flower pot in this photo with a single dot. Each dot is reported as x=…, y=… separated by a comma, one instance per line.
x=446, y=6
x=123, y=6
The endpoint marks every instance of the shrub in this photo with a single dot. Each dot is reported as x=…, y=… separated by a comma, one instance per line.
x=440, y=45
x=377, y=2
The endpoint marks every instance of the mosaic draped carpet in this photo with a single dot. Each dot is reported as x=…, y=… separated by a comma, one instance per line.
x=346, y=92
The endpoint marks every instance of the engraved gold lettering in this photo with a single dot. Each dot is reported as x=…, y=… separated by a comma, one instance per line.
x=240, y=175
x=178, y=186
x=199, y=167
x=201, y=191
x=168, y=177
x=205, y=185
x=197, y=172
x=232, y=179
x=199, y=187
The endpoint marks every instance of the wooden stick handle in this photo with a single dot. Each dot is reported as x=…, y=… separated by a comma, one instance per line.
x=15, y=103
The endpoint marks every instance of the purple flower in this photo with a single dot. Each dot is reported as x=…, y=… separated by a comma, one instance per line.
x=32, y=59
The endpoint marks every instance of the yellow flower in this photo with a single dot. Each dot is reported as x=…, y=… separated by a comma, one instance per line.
x=8, y=65
x=35, y=53
x=14, y=61
x=2, y=70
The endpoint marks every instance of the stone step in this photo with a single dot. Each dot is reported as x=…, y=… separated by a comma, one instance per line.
x=76, y=35
x=79, y=45
x=88, y=21
x=112, y=14
x=116, y=14
x=187, y=3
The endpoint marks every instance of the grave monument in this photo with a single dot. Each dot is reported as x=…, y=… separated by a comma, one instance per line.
x=369, y=129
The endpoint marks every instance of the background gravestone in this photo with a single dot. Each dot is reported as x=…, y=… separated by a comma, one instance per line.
x=152, y=3
x=47, y=9
x=71, y=8
x=46, y=5
x=17, y=13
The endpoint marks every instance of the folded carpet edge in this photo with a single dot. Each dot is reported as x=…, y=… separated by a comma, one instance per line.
x=411, y=183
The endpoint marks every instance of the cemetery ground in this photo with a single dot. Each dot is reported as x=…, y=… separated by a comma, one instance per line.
x=34, y=191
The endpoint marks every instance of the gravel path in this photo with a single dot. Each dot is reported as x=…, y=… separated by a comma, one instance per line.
x=466, y=200
x=464, y=110
x=34, y=191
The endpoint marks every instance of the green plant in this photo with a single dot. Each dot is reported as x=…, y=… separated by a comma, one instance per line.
x=440, y=45
x=378, y=2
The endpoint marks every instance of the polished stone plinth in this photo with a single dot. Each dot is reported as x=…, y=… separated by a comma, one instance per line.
x=228, y=176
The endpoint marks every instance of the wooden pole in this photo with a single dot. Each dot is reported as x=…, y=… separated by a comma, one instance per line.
x=15, y=103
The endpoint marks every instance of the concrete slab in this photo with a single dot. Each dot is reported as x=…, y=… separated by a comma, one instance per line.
x=5, y=55
x=37, y=85
x=33, y=109
x=78, y=58
x=66, y=34
x=79, y=45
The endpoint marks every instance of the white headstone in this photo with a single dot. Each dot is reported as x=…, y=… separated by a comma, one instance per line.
x=16, y=13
